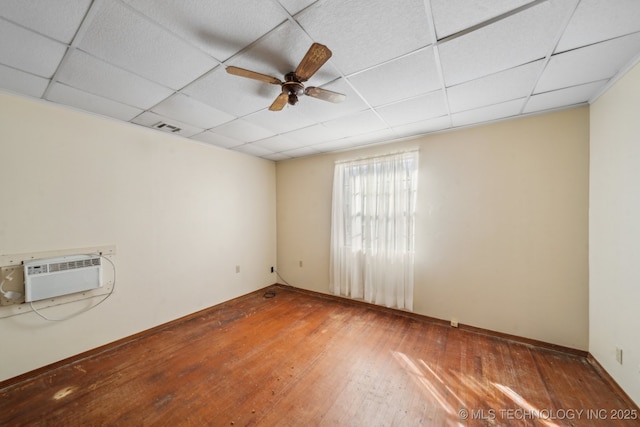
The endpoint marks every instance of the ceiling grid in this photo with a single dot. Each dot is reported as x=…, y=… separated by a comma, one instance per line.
x=427, y=66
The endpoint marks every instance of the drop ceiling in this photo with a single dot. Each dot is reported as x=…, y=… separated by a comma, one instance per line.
x=407, y=67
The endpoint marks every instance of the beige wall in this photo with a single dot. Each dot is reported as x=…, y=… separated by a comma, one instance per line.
x=181, y=214
x=614, y=232
x=501, y=232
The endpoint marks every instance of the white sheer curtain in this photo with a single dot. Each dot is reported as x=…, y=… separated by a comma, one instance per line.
x=372, y=229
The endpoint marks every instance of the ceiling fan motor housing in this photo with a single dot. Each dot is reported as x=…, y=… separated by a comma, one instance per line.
x=293, y=86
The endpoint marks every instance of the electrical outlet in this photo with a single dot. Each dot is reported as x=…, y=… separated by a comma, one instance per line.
x=619, y=355
x=237, y=269
x=272, y=269
x=454, y=323
x=300, y=263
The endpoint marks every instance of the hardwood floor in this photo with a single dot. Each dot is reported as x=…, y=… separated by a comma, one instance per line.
x=298, y=359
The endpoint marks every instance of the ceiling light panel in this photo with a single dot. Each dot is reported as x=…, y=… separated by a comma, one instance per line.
x=496, y=88
x=588, y=64
x=22, y=83
x=563, y=97
x=221, y=28
x=518, y=39
x=415, y=109
x=85, y=101
x=191, y=111
x=28, y=51
x=125, y=38
x=93, y=75
x=412, y=75
x=58, y=19
x=452, y=16
x=364, y=33
x=597, y=20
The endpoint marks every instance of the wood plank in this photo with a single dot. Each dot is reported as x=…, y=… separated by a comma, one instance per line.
x=298, y=359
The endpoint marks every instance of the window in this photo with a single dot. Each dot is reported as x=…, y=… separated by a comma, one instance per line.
x=373, y=229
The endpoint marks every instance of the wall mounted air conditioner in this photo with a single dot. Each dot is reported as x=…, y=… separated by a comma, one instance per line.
x=48, y=278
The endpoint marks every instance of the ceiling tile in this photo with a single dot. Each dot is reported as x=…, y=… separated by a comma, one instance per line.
x=422, y=127
x=374, y=137
x=217, y=140
x=588, y=64
x=300, y=152
x=243, y=131
x=231, y=94
x=254, y=150
x=356, y=124
x=125, y=38
x=496, y=88
x=282, y=121
x=364, y=33
x=336, y=145
x=414, y=110
x=276, y=157
x=314, y=134
x=149, y=119
x=563, y=97
x=85, y=101
x=191, y=111
x=280, y=52
x=516, y=40
x=147, y=62
x=278, y=143
x=322, y=111
x=295, y=6
x=93, y=75
x=58, y=19
x=398, y=79
x=452, y=16
x=28, y=51
x=487, y=114
x=221, y=28
x=21, y=82
x=597, y=20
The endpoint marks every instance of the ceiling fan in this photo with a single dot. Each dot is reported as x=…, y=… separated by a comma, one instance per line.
x=293, y=87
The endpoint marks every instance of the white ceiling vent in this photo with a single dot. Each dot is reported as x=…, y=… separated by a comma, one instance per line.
x=166, y=127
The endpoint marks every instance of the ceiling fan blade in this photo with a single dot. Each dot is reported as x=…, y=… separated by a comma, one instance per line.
x=280, y=102
x=253, y=75
x=324, y=94
x=315, y=58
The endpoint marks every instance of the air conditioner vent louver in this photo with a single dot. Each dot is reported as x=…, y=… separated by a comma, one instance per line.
x=166, y=127
x=72, y=265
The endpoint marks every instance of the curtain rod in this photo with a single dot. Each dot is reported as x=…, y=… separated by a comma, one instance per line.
x=393, y=153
